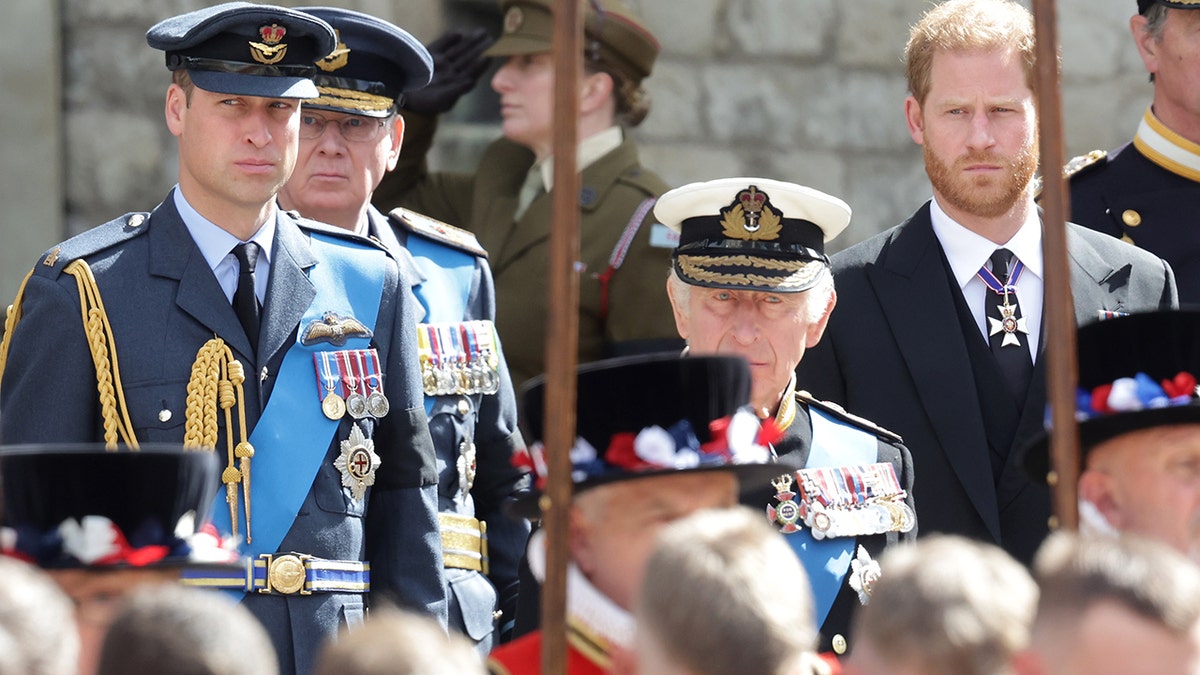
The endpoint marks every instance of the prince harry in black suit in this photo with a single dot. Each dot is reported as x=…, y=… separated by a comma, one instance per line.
x=933, y=340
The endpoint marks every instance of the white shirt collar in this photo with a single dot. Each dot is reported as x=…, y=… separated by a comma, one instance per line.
x=967, y=251
x=590, y=150
x=214, y=242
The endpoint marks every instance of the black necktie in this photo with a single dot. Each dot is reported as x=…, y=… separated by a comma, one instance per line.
x=1007, y=334
x=245, y=302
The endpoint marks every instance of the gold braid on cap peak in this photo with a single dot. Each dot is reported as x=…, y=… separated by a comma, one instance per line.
x=351, y=99
x=800, y=273
x=216, y=380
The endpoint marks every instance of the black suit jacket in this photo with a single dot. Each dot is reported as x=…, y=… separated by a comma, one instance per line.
x=895, y=352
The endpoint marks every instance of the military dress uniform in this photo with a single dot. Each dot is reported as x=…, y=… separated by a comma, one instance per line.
x=469, y=396
x=1147, y=192
x=816, y=435
x=328, y=505
x=848, y=494
x=623, y=307
x=474, y=427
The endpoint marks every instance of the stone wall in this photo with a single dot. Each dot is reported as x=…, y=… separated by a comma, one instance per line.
x=803, y=90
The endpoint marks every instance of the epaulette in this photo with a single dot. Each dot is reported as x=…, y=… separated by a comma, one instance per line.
x=1085, y=163
x=95, y=240
x=840, y=413
x=442, y=233
x=329, y=230
x=642, y=179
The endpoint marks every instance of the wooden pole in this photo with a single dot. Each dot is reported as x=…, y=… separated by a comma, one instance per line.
x=562, y=331
x=1061, y=372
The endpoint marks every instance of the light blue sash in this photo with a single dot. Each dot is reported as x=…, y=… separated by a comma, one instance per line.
x=447, y=287
x=834, y=443
x=292, y=437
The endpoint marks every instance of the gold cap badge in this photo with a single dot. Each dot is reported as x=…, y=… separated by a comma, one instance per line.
x=271, y=50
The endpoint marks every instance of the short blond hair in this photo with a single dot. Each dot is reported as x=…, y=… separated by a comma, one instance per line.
x=723, y=593
x=396, y=641
x=968, y=25
x=950, y=605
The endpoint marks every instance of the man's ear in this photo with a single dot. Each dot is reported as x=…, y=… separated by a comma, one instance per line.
x=1096, y=487
x=816, y=329
x=682, y=324
x=1147, y=44
x=916, y=123
x=578, y=539
x=397, y=141
x=175, y=108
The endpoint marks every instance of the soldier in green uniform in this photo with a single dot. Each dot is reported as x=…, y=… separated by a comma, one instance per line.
x=625, y=254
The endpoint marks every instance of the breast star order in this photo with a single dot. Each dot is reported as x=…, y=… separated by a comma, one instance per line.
x=358, y=462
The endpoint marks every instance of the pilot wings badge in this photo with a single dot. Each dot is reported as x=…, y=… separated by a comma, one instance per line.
x=333, y=329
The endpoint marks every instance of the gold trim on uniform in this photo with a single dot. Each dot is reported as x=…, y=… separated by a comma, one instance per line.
x=464, y=542
x=1167, y=148
x=351, y=100
x=589, y=643
x=800, y=273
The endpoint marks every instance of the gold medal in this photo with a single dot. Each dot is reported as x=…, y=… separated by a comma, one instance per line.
x=333, y=406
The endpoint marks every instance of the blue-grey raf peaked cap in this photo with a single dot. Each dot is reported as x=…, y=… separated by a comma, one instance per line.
x=374, y=63
x=246, y=49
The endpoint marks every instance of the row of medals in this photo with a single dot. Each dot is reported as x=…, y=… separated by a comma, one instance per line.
x=874, y=517
x=458, y=358
x=358, y=403
x=459, y=376
x=885, y=513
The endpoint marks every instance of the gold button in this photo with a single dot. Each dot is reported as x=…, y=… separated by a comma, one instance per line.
x=1127, y=239
x=164, y=415
x=1052, y=478
x=1131, y=218
x=839, y=644
x=463, y=406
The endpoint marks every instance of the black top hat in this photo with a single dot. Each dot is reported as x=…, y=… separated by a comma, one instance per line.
x=1135, y=372
x=245, y=49
x=84, y=506
x=1145, y=5
x=751, y=234
x=373, y=64
x=645, y=416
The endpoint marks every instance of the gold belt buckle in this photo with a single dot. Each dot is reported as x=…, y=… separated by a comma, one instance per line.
x=285, y=574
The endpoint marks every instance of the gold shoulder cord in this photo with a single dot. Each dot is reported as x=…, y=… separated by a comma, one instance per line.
x=114, y=413
x=104, y=356
x=216, y=380
x=12, y=316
